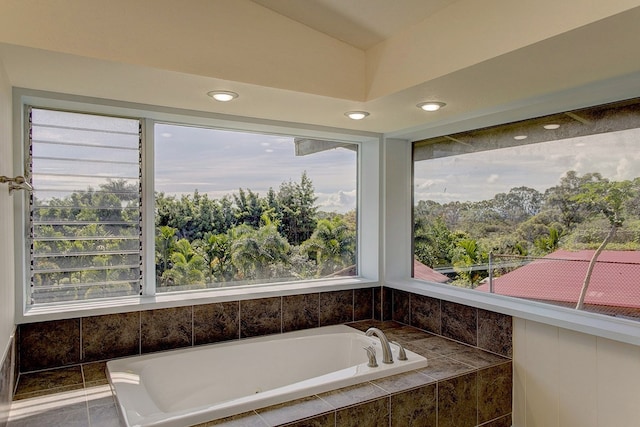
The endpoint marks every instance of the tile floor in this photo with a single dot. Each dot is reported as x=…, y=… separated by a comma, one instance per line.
x=78, y=396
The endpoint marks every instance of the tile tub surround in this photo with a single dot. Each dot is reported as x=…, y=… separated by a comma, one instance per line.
x=462, y=386
x=469, y=325
x=47, y=345
x=68, y=342
x=457, y=370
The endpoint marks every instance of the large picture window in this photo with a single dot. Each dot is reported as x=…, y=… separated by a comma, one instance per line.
x=546, y=209
x=237, y=208
x=229, y=208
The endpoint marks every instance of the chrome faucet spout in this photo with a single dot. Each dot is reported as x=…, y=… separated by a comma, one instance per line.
x=384, y=342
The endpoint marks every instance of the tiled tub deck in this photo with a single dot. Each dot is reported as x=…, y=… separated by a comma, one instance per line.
x=462, y=386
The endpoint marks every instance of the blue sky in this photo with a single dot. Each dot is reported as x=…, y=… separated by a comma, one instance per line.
x=480, y=176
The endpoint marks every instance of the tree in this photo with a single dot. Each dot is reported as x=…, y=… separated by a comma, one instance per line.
x=608, y=198
x=255, y=251
x=433, y=242
x=165, y=245
x=332, y=245
x=562, y=198
x=297, y=209
x=248, y=208
x=186, y=266
x=215, y=249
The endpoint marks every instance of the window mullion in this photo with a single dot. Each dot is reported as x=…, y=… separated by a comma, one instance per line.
x=148, y=208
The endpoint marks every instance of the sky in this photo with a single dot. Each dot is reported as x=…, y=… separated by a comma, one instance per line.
x=218, y=163
x=480, y=176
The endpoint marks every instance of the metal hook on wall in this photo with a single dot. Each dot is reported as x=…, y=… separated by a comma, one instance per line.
x=17, y=183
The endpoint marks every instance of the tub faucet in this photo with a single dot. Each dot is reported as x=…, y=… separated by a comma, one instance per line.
x=386, y=348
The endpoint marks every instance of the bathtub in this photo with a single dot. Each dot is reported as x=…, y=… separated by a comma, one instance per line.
x=199, y=384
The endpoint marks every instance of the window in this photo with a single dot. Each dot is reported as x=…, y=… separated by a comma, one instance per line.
x=229, y=208
x=546, y=209
x=237, y=208
x=85, y=207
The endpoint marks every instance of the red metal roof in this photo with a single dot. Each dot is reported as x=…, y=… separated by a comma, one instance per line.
x=559, y=276
x=422, y=272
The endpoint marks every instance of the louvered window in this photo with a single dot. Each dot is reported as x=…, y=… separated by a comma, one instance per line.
x=85, y=211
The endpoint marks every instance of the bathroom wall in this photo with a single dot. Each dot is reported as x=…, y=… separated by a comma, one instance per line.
x=45, y=345
x=7, y=325
x=564, y=378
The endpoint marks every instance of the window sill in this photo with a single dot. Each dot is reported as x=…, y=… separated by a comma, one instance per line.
x=599, y=325
x=69, y=310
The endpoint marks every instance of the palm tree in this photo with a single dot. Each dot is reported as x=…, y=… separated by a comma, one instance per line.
x=187, y=266
x=255, y=250
x=332, y=244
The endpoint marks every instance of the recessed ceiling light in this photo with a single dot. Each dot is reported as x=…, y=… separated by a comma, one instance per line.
x=356, y=115
x=551, y=126
x=222, y=95
x=520, y=137
x=431, y=105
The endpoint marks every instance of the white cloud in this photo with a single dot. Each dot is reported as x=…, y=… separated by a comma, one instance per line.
x=494, y=177
x=341, y=202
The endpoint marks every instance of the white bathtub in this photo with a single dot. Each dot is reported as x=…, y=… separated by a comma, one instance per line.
x=198, y=384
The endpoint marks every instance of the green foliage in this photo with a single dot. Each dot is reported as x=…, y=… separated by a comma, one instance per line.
x=578, y=213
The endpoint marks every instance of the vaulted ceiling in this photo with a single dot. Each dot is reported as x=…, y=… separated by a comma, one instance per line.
x=309, y=61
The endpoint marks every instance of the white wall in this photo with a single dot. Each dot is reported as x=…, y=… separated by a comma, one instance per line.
x=6, y=218
x=564, y=378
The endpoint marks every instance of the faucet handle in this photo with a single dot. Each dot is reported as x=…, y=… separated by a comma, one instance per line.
x=402, y=355
x=371, y=353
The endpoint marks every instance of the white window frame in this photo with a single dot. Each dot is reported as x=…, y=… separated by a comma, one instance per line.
x=369, y=181
x=398, y=206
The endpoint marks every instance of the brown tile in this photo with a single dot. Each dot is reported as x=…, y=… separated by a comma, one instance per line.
x=382, y=308
x=435, y=345
x=216, y=322
x=247, y=419
x=166, y=328
x=326, y=420
x=495, y=332
x=295, y=410
x=372, y=414
x=110, y=336
x=363, y=325
x=499, y=422
x=336, y=307
x=460, y=322
x=300, y=312
x=477, y=358
x=363, y=304
x=414, y=408
x=404, y=381
x=352, y=395
x=260, y=317
x=495, y=386
x=48, y=382
x=401, y=307
x=94, y=374
x=45, y=345
x=405, y=334
x=444, y=367
x=457, y=401
x=425, y=313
